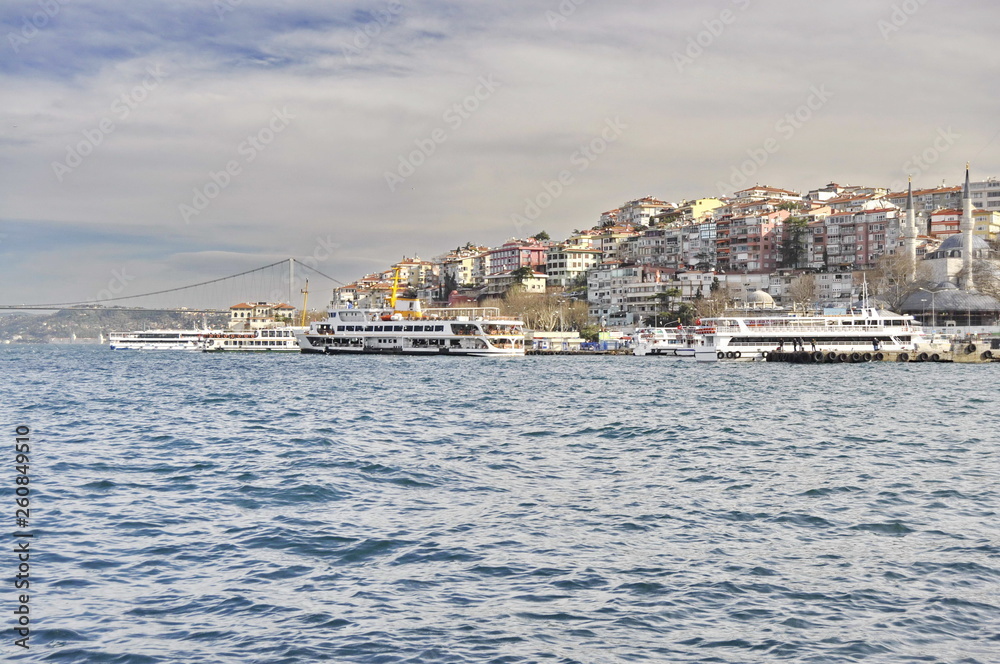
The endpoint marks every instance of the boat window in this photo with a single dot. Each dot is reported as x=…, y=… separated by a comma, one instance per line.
x=439, y=328
x=407, y=328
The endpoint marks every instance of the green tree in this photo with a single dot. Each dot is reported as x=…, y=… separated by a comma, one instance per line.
x=541, y=237
x=665, y=301
x=793, y=242
x=522, y=273
x=686, y=313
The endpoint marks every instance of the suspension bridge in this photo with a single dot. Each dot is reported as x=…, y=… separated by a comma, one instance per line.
x=282, y=281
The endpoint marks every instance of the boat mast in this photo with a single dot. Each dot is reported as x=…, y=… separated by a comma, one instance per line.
x=305, y=301
x=395, y=287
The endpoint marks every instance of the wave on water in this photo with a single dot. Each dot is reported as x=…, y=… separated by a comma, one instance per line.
x=568, y=509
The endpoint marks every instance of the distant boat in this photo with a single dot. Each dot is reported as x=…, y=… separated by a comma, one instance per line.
x=158, y=340
x=279, y=339
x=671, y=341
x=404, y=328
x=749, y=337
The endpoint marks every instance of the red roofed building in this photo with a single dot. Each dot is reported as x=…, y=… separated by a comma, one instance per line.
x=260, y=315
x=928, y=200
x=945, y=222
x=515, y=254
x=763, y=192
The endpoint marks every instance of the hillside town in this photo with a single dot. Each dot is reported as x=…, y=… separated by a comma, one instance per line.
x=652, y=261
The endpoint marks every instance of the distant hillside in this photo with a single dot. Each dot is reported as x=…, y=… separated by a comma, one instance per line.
x=43, y=328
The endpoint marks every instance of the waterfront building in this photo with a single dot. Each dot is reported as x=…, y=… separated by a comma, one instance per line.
x=259, y=315
x=946, y=306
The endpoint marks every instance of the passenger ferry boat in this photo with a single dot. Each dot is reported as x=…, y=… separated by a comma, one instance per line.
x=158, y=340
x=404, y=328
x=277, y=339
x=671, y=341
x=867, y=330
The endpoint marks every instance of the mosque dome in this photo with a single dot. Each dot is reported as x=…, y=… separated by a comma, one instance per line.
x=953, y=245
x=759, y=299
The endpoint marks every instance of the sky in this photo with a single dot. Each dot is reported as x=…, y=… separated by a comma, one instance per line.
x=147, y=145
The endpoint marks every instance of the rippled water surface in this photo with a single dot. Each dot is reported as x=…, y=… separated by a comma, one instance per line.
x=286, y=508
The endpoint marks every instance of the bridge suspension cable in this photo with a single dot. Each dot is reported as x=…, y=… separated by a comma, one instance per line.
x=255, y=271
x=159, y=292
x=336, y=281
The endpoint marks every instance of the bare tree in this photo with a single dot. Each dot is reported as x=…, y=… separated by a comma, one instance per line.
x=542, y=312
x=985, y=276
x=802, y=290
x=715, y=304
x=890, y=280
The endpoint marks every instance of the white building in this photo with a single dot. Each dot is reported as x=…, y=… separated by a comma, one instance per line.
x=985, y=194
x=260, y=315
x=566, y=264
x=640, y=211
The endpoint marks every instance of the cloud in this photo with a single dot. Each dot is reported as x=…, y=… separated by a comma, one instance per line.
x=368, y=82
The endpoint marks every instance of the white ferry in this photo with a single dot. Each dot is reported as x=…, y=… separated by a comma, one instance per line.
x=867, y=330
x=158, y=340
x=277, y=339
x=404, y=328
x=671, y=341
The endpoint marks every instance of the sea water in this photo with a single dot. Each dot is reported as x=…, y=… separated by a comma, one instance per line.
x=278, y=508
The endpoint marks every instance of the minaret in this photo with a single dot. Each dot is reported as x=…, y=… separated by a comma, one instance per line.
x=910, y=234
x=967, y=228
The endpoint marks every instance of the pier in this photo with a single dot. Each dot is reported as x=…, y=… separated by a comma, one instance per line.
x=963, y=352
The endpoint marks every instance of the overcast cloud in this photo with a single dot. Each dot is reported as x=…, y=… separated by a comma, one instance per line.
x=287, y=120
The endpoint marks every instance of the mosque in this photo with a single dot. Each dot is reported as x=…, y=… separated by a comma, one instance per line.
x=951, y=299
